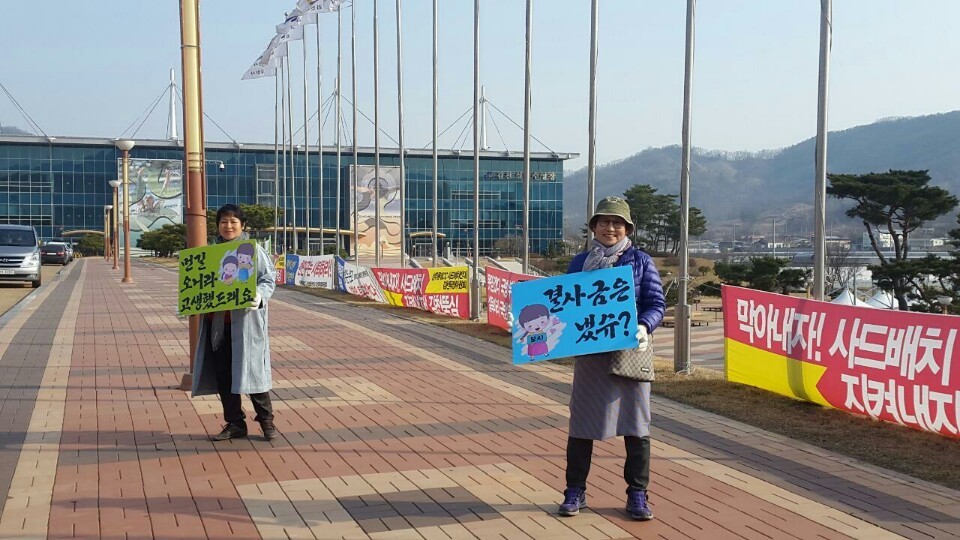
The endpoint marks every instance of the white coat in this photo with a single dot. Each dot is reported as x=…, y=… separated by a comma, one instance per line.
x=249, y=339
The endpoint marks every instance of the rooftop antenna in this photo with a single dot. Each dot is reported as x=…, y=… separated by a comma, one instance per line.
x=172, y=119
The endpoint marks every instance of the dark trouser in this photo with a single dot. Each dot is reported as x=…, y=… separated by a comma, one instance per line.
x=636, y=470
x=232, y=406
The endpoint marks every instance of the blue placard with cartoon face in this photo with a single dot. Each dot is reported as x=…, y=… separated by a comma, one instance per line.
x=574, y=314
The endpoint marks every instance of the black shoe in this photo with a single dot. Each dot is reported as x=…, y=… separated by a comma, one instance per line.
x=269, y=430
x=231, y=431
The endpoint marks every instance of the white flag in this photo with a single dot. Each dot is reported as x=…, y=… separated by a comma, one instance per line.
x=293, y=20
x=312, y=8
x=257, y=71
x=266, y=63
x=294, y=34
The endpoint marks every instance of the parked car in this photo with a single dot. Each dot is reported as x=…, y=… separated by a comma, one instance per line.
x=56, y=252
x=20, y=254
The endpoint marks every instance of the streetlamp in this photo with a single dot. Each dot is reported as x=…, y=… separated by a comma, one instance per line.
x=125, y=145
x=106, y=231
x=115, y=237
x=944, y=302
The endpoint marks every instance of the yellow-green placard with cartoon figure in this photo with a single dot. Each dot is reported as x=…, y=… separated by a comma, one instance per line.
x=217, y=277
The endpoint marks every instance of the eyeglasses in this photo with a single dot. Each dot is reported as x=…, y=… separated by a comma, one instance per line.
x=615, y=223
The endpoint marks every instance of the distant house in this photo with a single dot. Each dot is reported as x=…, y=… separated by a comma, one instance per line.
x=923, y=241
x=837, y=242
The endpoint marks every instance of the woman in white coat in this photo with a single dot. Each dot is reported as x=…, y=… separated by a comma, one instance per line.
x=233, y=350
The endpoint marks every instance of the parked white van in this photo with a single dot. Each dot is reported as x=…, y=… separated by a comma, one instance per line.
x=19, y=254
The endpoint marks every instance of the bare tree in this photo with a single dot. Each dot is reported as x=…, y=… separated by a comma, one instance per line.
x=840, y=268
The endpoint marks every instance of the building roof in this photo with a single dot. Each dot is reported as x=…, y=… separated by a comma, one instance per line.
x=327, y=149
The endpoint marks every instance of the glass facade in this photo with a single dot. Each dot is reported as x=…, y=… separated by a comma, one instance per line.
x=60, y=186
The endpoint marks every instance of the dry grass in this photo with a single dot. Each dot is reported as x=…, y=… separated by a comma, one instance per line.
x=919, y=454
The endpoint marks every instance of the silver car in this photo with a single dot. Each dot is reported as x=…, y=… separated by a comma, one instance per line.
x=19, y=254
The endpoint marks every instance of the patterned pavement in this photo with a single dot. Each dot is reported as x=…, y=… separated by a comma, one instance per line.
x=388, y=429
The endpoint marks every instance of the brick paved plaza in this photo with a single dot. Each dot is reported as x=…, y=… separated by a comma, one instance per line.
x=389, y=428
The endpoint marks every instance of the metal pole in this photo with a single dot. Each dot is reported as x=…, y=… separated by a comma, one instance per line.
x=106, y=234
x=376, y=133
x=283, y=139
x=592, y=127
x=276, y=159
x=319, y=142
x=196, y=201
x=339, y=176
x=475, y=288
x=306, y=133
x=436, y=213
x=403, y=169
x=527, y=104
x=820, y=191
x=681, y=357
x=172, y=118
x=356, y=179
x=293, y=155
x=116, y=226
x=127, y=278
x=774, y=237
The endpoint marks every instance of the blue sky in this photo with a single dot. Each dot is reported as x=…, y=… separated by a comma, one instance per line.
x=96, y=66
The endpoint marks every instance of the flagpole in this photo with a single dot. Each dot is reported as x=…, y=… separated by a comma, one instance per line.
x=436, y=213
x=356, y=179
x=376, y=133
x=403, y=170
x=681, y=357
x=527, y=103
x=475, y=289
x=276, y=159
x=293, y=155
x=283, y=139
x=320, y=134
x=339, y=149
x=592, y=128
x=306, y=138
x=819, y=247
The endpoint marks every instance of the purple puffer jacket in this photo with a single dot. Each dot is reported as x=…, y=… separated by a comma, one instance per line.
x=646, y=280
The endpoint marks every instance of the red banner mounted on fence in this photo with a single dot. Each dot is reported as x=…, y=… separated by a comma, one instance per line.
x=438, y=290
x=886, y=364
x=498, y=294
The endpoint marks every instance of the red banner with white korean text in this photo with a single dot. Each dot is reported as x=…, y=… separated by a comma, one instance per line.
x=498, y=294
x=886, y=364
x=437, y=290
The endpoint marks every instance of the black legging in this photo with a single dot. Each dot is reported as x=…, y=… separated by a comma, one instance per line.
x=636, y=469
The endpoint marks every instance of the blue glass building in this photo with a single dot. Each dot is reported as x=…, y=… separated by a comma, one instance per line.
x=60, y=186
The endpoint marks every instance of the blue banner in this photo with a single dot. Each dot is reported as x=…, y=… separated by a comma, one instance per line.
x=341, y=282
x=293, y=262
x=574, y=314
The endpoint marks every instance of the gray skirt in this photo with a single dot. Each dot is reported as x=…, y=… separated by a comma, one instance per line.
x=604, y=405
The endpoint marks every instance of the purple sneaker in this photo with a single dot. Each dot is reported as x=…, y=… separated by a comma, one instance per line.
x=574, y=499
x=637, y=505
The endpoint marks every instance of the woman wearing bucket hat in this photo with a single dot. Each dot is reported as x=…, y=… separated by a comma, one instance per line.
x=604, y=405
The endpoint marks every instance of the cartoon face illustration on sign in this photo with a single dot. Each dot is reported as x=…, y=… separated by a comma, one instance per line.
x=229, y=268
x=538, y=331
x=244, y=262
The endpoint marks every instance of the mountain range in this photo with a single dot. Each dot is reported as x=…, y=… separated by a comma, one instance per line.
x=749, y=188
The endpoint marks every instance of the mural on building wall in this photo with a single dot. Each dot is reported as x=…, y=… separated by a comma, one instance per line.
x=156, y=194
x=366, y=210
